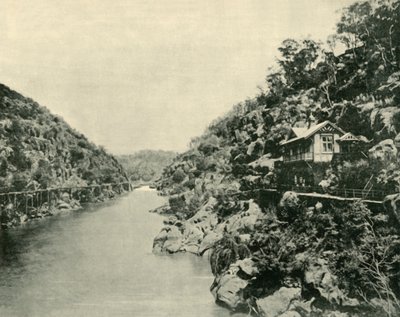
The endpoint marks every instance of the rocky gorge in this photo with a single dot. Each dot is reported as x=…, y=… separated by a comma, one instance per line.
x=282, y=254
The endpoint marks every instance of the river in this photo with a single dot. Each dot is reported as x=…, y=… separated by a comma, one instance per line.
x=98, y=262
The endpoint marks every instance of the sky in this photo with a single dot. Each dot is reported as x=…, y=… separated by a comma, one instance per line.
x=146, y=74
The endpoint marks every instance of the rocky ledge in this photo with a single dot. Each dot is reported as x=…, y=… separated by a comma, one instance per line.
x=199, y=233
x=280, y=276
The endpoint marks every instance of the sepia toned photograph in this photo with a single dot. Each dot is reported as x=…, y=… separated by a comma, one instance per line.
x=205, y=158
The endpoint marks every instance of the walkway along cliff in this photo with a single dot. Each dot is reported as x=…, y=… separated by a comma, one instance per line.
x=20, y=207
x=46, y=165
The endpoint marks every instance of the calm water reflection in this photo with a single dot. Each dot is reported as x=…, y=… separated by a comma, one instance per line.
x=98, y=262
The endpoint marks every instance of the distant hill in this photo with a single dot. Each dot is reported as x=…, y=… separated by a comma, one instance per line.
x=40, y=150
x=146, y=165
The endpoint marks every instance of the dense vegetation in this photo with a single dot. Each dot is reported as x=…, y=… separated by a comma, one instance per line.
x=40, y=150
x=359, y=90
x=146, y=165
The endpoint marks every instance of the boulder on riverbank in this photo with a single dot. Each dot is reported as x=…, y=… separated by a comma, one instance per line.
x=243, y=222
x=278, y=304
x=73, y=204
x=208, y=241
x=168, y=240
x=228, y=289
x=200, y=232
x=192, y=231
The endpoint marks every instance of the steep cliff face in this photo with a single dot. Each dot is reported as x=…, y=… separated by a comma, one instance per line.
x=40, y=150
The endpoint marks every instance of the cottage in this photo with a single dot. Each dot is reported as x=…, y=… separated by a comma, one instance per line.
x=307, y=152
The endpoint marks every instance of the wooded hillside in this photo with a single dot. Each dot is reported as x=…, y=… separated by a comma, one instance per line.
x=339, y=260
x=40, y=150
x=146, y=165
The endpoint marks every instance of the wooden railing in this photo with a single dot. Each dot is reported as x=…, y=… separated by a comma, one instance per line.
x=341, y=192
x=299, y=157
x=31, y=199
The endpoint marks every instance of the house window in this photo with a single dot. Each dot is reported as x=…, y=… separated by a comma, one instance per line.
x=327, y=143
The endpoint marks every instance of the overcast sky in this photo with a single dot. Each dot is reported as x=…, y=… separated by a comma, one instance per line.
x=137, y=74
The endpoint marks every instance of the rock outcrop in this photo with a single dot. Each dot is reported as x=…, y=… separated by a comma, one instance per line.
x=228, y=289
x=318, y=276
x=168, y=240
x=278, y=304
x=384, y=152
x=392, y=205
x=200, y=232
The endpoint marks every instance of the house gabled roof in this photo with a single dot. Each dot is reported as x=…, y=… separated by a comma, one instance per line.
x=348, y=137
x=351, y=137
x=304, y=133
x=299, y=131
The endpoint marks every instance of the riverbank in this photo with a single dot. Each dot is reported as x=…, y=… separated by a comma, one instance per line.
x=22, y=207
x=293, y=258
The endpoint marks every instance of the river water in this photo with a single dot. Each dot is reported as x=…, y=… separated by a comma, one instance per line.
x=98, y=262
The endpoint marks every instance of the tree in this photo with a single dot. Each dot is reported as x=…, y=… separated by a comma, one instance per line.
x=371, y=31
x=298, y=61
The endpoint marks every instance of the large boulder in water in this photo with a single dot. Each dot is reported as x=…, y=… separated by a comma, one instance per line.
x=63, y=205
x=168, y=240
x=198, y=226
x=229, y=287
x=228, y=290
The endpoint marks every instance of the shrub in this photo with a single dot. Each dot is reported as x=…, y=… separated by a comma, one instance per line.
x=354, y=174
x=226, y=252
x=190, y=183
x=177, y=203
x=19, y=159
x=19, y=182
x=76, y=154
x=83, y=144
x=178, y=176
x=3, y=167
x=43, y=173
